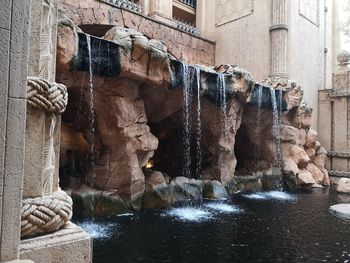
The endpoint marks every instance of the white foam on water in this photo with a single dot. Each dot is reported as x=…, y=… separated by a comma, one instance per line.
x=225, y=208
x=280, y=195
x=97, y=230
x=258, y=196
x=189, y=214
x=126, y=214
x=275, y=195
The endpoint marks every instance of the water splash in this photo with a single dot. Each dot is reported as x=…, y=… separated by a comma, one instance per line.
x=97, y=230
x=272, y=195
x=187, y=97
x=258, y=126
x=91, y=132
x=224, y=208
x=198, y=123
x=188, y=214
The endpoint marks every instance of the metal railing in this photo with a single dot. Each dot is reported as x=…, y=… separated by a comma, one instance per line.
x=191, y=3
x=133, y=6
x=186, y=27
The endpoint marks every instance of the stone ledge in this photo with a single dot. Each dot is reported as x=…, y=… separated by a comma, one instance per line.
x=342, y=210
x=70, y=244
x=19, y=261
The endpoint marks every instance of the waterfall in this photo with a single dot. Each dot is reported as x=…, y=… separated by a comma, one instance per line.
x=91, y=132
x=258, y=126
x=186, y=120
x=276, y=132
x=198, y=123
x=191, y=117
x=276, y=126
x=222, y=102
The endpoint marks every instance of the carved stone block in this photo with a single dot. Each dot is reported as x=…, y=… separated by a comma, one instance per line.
x=310, y=9
x=229, y=10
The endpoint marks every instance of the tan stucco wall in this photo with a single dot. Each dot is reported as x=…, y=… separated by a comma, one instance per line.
x=245, y=41
x=14, y=17
x=307, y=57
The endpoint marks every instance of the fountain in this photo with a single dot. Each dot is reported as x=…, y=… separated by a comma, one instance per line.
x=168, y=131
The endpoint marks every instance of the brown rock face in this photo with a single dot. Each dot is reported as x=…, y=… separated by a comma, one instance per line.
x=344, y=186
x=305, y=178
x=136, y=119
x=299, y=156
x=316, y=172
x=311, y=139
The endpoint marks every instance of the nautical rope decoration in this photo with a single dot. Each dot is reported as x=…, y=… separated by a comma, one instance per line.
x=45, y=95
x=45, y=214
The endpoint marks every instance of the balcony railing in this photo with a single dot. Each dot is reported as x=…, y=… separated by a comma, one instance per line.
x=187, y=27
x=133, y=6
x=191, y=3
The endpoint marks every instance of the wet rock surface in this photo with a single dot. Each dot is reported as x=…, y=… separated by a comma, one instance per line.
x=129, y=114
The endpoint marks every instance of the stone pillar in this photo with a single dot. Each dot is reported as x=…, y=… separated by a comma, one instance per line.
x=14, y=17
x=42, y=63
x=334, y=123
x=279, y=39
x=162, y=10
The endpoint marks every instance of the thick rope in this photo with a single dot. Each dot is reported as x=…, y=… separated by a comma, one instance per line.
x=45, y=214
x=42, y=94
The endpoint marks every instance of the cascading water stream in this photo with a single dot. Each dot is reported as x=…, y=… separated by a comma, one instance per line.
x=198, y=123
x=222, y=102
x=186, y=120
x=258, y=126
x=91, y=113
x=276, y=130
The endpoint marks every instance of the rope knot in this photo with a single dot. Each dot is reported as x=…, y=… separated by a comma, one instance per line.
x=45, y=95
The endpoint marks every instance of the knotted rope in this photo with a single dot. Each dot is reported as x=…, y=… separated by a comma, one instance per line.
x=45, y=214
x=42, y=94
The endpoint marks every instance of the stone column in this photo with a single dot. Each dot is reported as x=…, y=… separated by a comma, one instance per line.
x=14, y=17
x=279, y=39
x=42, y=63
x=335, y=122
x=162, y=10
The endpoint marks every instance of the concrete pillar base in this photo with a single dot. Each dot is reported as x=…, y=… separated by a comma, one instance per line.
x=71, y=244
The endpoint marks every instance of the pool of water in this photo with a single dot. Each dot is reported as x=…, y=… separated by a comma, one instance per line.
x=260, y=227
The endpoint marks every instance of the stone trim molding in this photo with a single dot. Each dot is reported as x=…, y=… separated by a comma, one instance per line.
x=339, y=174
x=278, y=26
x=124, y=4
x=338, y=154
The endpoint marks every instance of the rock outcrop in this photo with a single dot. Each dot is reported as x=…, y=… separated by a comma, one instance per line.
x=126, y=113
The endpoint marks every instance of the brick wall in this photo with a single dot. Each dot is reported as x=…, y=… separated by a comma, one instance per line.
x=181, y=45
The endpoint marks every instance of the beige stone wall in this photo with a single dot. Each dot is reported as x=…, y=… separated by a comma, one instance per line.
x=181, y=45
x=14, y=17
x=42, y=63
x=309, y=65
x=242, y=39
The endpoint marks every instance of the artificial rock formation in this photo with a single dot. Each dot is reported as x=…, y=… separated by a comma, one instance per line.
x=142, y=92
x=131, y=90
x=302, y=156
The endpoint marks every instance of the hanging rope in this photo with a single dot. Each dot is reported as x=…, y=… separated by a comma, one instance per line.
x=45, y=95
x=45, y=214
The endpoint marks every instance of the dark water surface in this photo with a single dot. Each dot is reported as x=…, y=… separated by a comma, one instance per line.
x=273, y=227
